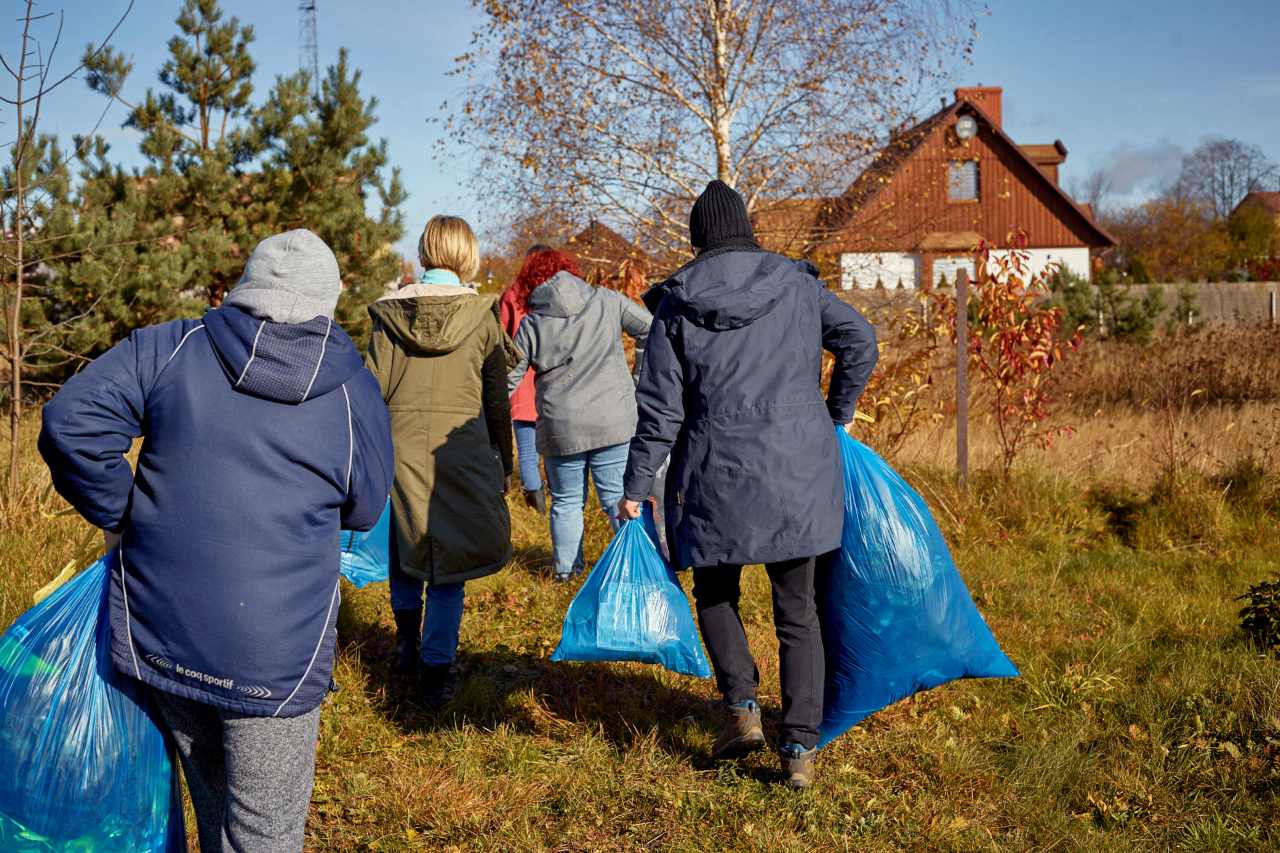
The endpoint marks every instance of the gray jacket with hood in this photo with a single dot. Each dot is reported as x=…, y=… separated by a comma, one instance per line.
x=570, y=337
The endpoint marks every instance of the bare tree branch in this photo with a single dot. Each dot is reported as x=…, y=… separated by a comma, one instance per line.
x=621, y=109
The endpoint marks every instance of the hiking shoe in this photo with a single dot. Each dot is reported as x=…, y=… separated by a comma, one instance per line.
x=436, y=683
x=797, y=765
x=408, y=641
x=741, y=733
x=536, y=499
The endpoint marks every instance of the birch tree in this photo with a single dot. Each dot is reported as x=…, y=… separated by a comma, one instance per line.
x=624, y=109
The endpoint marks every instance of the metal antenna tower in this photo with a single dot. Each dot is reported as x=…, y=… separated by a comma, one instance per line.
x=308, y=52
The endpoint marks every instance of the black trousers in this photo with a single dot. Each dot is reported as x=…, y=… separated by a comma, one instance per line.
x=716, y=590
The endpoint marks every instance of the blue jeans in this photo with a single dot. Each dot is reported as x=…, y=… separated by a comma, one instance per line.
x=442, y=619
x=567, y=477
x=527, y=453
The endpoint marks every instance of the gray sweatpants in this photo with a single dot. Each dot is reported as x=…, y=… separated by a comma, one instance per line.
x=250, y=778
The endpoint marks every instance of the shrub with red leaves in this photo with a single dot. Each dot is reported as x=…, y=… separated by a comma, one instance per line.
x=1016, y=344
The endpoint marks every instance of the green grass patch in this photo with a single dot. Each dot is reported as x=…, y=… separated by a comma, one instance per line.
x=1144, y=719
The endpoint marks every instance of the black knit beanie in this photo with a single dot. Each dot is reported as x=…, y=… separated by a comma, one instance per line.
x=719, y=217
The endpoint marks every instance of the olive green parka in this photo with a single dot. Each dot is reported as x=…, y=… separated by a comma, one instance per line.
x=441, y=357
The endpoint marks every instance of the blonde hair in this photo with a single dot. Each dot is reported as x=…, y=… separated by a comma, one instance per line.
x=449, y=243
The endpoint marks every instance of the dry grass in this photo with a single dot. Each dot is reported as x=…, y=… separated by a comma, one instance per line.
x=1223, y=364
x=1142, y=721
x=1123, y=444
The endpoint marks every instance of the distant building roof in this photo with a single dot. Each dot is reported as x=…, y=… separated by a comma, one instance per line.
x=1269, y=201
x=602, y=251
x=791, y=226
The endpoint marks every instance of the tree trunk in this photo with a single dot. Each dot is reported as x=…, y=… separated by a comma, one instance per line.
x=15, y=350
x=721, y=113
x=15, y=312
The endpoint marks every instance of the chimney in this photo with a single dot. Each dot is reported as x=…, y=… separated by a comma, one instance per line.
x=986, y=98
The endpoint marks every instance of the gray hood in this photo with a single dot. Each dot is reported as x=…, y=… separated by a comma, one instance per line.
x=572, y=337
x=562, y=295
x=565, y=297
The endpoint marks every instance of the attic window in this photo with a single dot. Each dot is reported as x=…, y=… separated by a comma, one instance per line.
x=962, y=180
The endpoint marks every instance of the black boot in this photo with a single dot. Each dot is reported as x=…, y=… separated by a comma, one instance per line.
x=435, y=685
x=536, y=499
x=408, y=640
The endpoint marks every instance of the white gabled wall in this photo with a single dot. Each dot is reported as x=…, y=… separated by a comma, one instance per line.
x=861, y=270
x=1075, y=260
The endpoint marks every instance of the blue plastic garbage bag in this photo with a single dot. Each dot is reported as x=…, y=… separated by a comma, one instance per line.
x=83, y=765
x=632, y=608
x=366, y=557
x=896, y=616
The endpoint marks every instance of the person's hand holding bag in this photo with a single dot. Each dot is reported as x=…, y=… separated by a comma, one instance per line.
x=628, y=510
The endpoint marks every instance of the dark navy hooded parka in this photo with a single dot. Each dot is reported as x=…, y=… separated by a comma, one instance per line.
x=260, y=440
x=731, y=387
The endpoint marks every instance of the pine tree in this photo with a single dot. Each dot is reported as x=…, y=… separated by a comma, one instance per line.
x=48, y=222
x=221, y=173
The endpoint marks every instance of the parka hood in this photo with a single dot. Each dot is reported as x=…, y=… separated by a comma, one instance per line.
x=433, y=324
x=282, y=362
x=731, y=288
x=562, y=295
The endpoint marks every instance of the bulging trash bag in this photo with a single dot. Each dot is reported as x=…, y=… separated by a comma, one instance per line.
x=896, y=616
x=366, y=557
x=632, y=608
x=83, y=765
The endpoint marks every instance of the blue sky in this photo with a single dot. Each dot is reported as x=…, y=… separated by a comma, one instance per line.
x=1132, y=84
x=1126, y=84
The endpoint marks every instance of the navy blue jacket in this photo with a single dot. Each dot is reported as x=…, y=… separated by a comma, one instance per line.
x=731, y=388
x=260, y=440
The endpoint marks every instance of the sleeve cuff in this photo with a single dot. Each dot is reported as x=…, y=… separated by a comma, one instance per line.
x=638, y=491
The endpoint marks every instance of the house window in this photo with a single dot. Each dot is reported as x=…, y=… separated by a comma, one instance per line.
x=962, y=180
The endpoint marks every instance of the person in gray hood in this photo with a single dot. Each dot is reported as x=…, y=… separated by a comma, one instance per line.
x=585, y=394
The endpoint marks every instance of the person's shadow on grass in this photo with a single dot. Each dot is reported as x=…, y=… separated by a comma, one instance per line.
x=625, y=703
x=535, y=561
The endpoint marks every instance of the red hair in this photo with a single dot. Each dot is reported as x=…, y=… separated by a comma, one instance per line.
x=540, y=267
